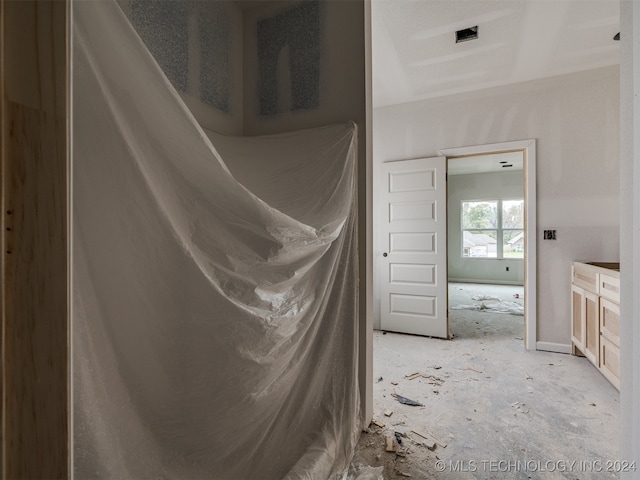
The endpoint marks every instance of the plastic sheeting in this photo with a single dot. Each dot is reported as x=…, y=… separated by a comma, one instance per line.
x=215, y=304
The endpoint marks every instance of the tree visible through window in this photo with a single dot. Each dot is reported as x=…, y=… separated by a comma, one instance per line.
x=493, y=229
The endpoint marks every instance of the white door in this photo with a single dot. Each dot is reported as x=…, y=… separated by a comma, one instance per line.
x=414, y=227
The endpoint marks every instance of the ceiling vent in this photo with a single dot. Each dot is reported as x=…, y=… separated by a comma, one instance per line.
x=467, y=34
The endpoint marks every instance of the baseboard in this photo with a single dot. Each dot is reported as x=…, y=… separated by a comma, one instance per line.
x=489, y=282
x=553, y=347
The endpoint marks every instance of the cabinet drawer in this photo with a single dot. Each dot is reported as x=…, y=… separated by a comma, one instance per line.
x=609, y=287
x=610, y=361
x=584, y=277
x=610, y=320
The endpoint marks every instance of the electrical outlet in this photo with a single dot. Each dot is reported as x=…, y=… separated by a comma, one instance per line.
x=507, y=269
x=549, y=234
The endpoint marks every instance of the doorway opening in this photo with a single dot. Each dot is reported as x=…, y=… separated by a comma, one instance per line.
x=414, y=229
x=492, y=235
x=486, y=247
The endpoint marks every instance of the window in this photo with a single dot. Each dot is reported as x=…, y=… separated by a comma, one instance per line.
x=493, y=229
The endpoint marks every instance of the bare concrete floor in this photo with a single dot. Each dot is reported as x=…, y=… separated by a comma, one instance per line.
x=503, y=412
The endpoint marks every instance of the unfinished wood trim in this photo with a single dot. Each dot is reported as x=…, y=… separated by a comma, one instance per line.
x=35, y=267
x=609, y=287
x=591, y=325
x=555, y=347
x=2, y=237
x=584, y=276
x=577, y=318
x=610, y=361
x=610, y=321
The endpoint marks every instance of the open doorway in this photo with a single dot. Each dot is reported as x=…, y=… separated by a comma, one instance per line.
x=486, y=245
x=501, y=228
x=413, y=274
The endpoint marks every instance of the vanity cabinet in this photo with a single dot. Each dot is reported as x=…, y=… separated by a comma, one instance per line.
x=595, y=316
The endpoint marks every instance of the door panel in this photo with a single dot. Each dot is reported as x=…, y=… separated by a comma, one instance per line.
x=414, y=286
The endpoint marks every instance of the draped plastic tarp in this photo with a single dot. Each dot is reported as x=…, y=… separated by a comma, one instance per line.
x=215, y=304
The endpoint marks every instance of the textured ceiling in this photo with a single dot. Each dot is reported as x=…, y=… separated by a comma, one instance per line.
x=415, y=56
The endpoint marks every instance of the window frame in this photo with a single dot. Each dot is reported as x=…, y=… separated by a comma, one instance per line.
x=499, y=228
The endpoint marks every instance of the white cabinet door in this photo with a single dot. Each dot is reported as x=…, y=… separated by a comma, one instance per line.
x=414, y=226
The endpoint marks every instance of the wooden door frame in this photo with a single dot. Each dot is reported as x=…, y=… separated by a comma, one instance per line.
x=34, y=194
x=528, y=147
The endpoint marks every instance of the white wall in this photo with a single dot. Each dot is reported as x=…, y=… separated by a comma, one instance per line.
x=575, y=119
x=630, y=241
x=495, y=186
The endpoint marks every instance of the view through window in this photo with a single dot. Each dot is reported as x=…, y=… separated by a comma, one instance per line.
x=493, y=228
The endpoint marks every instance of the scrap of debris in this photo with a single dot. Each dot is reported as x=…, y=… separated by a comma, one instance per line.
x=479, y=298
x=472, y=369
x=377, y=423
x=430, y=438
x=521, y=407
x=406, y=401
x=379, y=380
x=433, y=380
x=428, y=442
x=500, y=306
x=388, y=413
x=392, y=444
x=402, y=474
x=411, y=376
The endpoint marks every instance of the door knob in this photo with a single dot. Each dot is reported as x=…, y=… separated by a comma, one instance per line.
x=384, y=254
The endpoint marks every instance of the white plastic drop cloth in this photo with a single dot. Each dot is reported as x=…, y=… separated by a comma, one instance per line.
x=215, y=302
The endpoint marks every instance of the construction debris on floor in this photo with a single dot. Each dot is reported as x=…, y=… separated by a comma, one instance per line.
x=490, y=409
x=499, y=305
